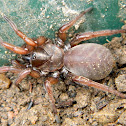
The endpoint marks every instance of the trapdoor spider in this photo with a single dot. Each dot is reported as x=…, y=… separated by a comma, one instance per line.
x=42, y=57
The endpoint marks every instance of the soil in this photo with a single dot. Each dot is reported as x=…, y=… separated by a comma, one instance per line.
x=91, y=107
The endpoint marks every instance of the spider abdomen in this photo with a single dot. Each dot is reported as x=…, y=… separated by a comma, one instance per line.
x=90, y=60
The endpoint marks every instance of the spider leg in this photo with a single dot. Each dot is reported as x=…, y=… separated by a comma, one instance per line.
x=12, y=69
x=48, y=88
x=33, y=73
x=22, y=75
x=15, y=49
x=89, y=35
x=65, y=27
x=28, y=41
x=16, y=64
x=41, y=40
x=85, y=81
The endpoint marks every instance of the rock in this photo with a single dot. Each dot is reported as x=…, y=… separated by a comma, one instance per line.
x=63, y=96
x=4, y=82
x=82, y=97
x=122, y=118
x=121, y=55
x=120, y=82
x=33, y=119
x=110, y=113
x=74, y=122
x=72, y=91
x=105, y=116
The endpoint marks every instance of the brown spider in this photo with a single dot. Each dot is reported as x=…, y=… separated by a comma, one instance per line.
x=42, y=57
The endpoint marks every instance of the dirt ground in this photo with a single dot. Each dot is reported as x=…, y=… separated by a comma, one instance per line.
x=91, y=108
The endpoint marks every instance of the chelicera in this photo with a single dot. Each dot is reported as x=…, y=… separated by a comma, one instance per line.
x=82, y=63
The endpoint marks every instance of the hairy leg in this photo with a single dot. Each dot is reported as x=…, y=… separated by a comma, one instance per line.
x=13, y=48
x=62, y=31
x=48, y=87
x=12, y=69
x=85, y=81
x=89, y=35
x=22, y=75
x=28, y=41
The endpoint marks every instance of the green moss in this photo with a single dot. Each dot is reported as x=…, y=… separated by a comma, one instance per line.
x=44, y=17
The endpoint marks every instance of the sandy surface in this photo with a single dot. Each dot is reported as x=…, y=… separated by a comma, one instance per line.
x=91, y=108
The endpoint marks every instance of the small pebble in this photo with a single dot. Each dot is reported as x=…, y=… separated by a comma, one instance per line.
x=11, y=115
x=110, y=113
x=33, y=119
x=122, y=118
x=104, y=116
x=72, y=91
x=74, y=122
x=63, y=96
x=4, y=82
x=121, y=55
x=120, y=82
x=82, y=98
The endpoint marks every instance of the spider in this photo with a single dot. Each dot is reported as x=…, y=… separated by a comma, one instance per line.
x=82, y=63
